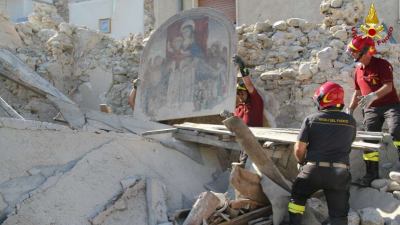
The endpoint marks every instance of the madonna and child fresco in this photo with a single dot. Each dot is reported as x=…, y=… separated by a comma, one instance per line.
x=186, y=68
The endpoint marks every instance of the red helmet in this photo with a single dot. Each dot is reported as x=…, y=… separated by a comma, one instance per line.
x=362, y=44
x=329, y=94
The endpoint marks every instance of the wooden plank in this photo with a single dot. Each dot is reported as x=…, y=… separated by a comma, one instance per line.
x=206, y=141
x=280, y=135
x=255, y=151
x=161, y=131
x=204, y=207
x=264, y=132
x=245, y=218
x=360, y=145
x=9, y=110
x=211, y=136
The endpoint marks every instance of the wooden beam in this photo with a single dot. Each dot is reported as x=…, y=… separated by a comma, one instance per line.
x=161, y=131
x=245, y=218
x=257, y=154
x=206, y=141
x=204, y=207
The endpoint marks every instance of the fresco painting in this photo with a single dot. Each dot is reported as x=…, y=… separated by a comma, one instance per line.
x=186, y=67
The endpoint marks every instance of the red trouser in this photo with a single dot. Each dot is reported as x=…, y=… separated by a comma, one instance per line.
x=335, y=182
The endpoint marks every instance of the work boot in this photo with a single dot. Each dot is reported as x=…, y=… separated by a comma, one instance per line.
x=295, y=218
x=372, y=173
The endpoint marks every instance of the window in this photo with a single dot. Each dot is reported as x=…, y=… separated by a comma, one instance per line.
x=105, y=25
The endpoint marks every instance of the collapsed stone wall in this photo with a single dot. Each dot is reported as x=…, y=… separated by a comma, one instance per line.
x=149, y=19
x=292, y=58
x=289, y=59
x=62, y=8
x=81, y=63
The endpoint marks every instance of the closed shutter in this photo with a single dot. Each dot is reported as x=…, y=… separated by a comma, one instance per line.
x=228, y=7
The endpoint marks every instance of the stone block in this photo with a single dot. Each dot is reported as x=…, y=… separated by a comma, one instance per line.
x=319, y=208
x=370, y=216
x=353, y=218
x=304, y=71
x=341, y=34
x=380, y=183
x=296, y=22
x=336, y=3
x=156, y=202
x=271, y=75
x=393, y=186
x=395, y=176
x=280, y=25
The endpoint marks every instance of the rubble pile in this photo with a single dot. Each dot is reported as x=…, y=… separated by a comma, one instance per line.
x=89, y=67
x=391, y=185
x=149, y=19
x=122, y=175
x=293, y=55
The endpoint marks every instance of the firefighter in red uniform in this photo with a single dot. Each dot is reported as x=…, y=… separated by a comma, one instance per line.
x=323, y=148
x=249, y=104
x=376, y=94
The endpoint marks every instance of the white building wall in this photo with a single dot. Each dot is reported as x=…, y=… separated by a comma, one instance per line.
x=164, y=9
x=17, y=10
x=126, y=15
x=28, y=7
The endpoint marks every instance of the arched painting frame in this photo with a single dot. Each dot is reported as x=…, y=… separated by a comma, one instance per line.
x=186, y=68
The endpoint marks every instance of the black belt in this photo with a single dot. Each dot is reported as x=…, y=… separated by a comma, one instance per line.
x=329, y=164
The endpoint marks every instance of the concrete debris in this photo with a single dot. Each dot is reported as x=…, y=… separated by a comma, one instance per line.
x=278, y=197
x=384, y=203
x=156, y=193
x=319, y=209
x=7, y=111
x=90, y=166
x=14, y=69
x=220, y=184
x=107, y=173
x=129, y=208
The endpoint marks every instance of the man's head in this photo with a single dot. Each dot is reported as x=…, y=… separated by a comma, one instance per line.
x=329, y=95
x=361, y=49
x=241, y=92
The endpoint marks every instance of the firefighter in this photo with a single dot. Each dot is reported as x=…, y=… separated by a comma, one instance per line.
x=323, y=148
x=249, y=104
x=377, y=96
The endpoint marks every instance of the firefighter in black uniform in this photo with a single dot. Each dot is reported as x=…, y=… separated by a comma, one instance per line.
x=323, y=148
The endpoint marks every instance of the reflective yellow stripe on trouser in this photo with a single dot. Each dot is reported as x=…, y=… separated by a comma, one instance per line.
x=396, y=143
x=294, y=208
x=372, y=156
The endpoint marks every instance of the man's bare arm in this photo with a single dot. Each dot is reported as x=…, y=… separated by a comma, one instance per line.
x=249, y=84
x=300, y=149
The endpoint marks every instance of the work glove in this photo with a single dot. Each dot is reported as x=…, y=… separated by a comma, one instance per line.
x=300, y=166
x=136, y=82
x=366, y=100
x=349, y=111
x=239, y=62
